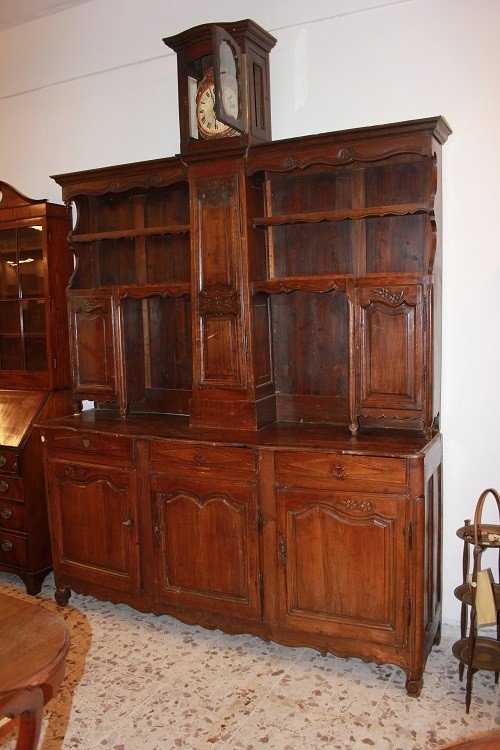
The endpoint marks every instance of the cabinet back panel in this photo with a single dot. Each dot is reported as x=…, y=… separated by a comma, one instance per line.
x=313, y=249
x=396, y=244
x=157, y=334
x=170, y=206
x=310, y=350
x=395, y=183
x=115, y=212
x=167, y=258
x=117, y=262
x=135, y=353
x=311, y=192
x=263, y=368
x=170, y=342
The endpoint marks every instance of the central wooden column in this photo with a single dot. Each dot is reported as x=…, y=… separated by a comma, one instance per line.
x=228, y=349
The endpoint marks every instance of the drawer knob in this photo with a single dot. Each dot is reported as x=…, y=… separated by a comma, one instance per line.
x=6, y=513
x=86, y=442
x=3, y=460
x=199, y=460
x=338, y=472
x=7, y=546
x=4, y=486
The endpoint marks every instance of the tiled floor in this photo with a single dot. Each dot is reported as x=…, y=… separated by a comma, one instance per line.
x=139, y=682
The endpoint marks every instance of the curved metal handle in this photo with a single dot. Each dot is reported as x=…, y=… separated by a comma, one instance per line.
x=3, y=460
x=7, y=546
x=338, y=472
x=479, y=511
x=4, y=486
x=6, y=513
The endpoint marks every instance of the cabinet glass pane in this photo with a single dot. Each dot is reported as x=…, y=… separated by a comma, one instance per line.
x=33, y=316
x=36, y=353
x=10, y=321
x=9, y=286
x=31, y=271
x=11, y=353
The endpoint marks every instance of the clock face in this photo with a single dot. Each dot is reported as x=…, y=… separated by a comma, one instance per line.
x=208, y=124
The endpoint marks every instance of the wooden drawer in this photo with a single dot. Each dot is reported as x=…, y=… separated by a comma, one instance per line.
x=89, y=442
x=341, y=470
x=13, y=549
x=11, y=516
x=10, y=463
x=11, y=487
x=171, y=458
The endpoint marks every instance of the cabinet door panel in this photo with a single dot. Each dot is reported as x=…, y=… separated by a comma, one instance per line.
x=207, y=544
x=390, y=331
x=92, y=354
x=343, y=564
x=94, y=524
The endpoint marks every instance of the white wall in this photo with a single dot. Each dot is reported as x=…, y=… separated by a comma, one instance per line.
x=94, y=85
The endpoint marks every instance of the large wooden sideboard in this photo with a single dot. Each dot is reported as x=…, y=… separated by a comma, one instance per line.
x=259, y=329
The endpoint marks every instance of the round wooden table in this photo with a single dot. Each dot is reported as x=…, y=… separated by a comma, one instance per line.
x=33, y=647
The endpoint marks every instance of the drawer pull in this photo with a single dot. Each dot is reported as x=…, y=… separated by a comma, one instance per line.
x=338, y=472
x=199, y=460
x=128, y=522
x=6, y=513
x=7, y=546
x=3, y=460
x=85, y=442
x=4, y=486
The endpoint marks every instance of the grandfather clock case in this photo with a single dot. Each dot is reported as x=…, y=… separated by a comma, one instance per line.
x=35, y=267
x=258, y=324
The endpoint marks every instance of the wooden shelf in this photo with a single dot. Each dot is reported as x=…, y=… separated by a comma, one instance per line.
x=138, y=291
x=404, y=209
x=130, y=233
x=486, y=653
x=166, y=289
x=286, y=284
x=332, y=282
x=489, y=534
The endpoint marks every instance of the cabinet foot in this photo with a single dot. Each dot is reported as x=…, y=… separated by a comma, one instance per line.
x=437, y=637
x=34, y=582
x=62, y=596
x=414, y=687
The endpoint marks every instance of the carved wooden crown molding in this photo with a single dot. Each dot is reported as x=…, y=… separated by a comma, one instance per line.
x=338, y=156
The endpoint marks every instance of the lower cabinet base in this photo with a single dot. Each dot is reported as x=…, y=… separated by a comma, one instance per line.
x=345, y=648
x=335, y=547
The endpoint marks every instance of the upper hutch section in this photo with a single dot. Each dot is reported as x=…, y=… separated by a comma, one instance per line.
x=33, y=346
x=297, y=280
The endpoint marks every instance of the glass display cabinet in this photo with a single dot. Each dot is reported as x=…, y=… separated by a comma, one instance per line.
x=35, y=267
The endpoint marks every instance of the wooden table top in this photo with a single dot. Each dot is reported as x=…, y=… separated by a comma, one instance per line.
x=33, y=644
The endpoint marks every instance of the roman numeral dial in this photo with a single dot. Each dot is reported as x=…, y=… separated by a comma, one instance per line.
x=208, y=124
